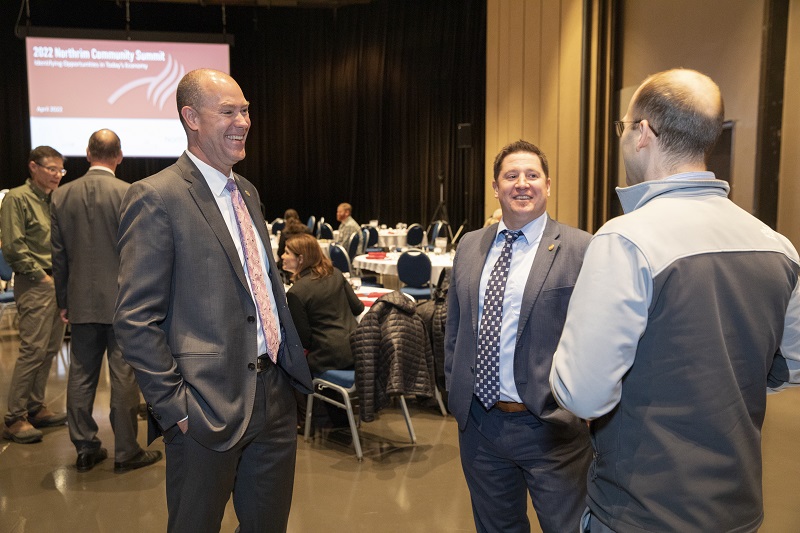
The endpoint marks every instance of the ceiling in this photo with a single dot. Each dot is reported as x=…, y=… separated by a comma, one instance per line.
x=260, y=3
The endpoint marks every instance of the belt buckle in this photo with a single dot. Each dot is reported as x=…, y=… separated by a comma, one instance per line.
x=261, y=363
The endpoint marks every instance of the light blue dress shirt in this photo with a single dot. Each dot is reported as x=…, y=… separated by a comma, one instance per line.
x=523, y=252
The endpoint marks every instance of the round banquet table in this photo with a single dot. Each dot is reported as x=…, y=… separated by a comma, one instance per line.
x=388, y=265
x=392, y=238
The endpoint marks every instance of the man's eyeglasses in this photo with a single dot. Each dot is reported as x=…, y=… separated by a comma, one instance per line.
x=620, y=126
x=53, y=170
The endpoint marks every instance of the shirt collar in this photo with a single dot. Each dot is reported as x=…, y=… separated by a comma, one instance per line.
x=216, y=180
x=102, y=168
x=37, y=191
x=530, y=231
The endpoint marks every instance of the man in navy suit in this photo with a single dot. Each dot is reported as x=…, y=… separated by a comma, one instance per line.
x=523, y=439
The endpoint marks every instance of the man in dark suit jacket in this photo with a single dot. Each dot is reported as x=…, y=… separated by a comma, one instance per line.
x=84, y=222
x=190, y=326
x=523, y=439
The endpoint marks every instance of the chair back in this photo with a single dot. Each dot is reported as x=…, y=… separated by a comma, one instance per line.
x=320, y=222
x=277, y=225
x=354, y=245
x=364, y=237
x=414, y=235
x=5, y=268
x=340, y=257
x=312, y=222
x=325, y=231
x=372, y=237
x=414, y=268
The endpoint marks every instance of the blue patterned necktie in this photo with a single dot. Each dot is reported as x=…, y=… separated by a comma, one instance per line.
x=487, y=379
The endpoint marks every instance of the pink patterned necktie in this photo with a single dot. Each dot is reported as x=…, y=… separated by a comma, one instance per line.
x=253, y=261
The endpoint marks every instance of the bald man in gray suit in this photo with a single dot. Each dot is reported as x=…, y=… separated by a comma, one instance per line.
x=84, y=221
x=189, y=324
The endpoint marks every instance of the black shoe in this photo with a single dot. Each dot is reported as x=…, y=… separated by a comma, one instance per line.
x=87, y=460
x=142, y=459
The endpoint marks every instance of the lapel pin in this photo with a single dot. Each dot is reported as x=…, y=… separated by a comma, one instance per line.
x=247, y=193
x=551, y=247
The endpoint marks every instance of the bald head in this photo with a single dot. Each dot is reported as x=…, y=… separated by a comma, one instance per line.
x=685, y=107
x=195, y=86
x=104, y=149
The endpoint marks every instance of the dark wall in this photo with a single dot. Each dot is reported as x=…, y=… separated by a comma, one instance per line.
x=358, y=104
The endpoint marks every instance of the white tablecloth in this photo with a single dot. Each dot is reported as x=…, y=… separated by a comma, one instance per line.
x=392, y=238
x=389, y=265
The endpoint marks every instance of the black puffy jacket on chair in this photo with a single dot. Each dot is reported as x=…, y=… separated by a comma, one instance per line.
x=392, y=354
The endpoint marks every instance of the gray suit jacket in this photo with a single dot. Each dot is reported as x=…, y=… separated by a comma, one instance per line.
x=185, y=318
x=543, y=311
x=84, y=218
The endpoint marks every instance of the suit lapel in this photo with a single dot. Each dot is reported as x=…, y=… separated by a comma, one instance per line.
x=476, y=268
x=205, y=201
x=542, y=262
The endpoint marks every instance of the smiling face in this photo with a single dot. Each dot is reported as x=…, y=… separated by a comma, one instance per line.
x=522, y=189
x=218, y=126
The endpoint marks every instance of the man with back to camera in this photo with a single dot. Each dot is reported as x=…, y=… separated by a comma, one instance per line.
x=347, y=225
x=25, y=226
x=84, y=223
x=202, y=318
x=687, y=309
x=504, y=318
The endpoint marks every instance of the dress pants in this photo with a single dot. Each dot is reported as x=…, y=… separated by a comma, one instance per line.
x=89, y=343
x=503, y=454
x=41, y=333
x=259, y=469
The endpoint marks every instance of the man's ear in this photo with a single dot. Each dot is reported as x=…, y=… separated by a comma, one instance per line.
x=646, y=135
x=190, y=117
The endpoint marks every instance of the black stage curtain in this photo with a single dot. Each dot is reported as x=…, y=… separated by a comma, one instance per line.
x=358, y=104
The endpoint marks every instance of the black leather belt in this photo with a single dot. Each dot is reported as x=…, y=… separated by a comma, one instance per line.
x=262, y=363
x=511, y=407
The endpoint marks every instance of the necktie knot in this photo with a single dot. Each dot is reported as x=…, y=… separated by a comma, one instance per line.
x=230, y=186
x=512, y=235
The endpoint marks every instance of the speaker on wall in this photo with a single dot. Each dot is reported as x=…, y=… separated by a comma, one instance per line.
x=464, y=135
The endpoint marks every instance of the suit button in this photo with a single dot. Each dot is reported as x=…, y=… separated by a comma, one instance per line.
x=472, y=369
x=157, y=417
x=251, y=366
x=251, y=319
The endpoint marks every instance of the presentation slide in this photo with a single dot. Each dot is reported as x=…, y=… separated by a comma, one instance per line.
x=78, y=86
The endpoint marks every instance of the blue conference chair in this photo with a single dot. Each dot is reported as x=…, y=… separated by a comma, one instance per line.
x=372, y=237
x=325, y=231
x=340, y=258
x=353, y=246
x=414, y=235
x=6, y=295
x=414, y=271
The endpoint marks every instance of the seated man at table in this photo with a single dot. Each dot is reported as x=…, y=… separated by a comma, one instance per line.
x=348, y=226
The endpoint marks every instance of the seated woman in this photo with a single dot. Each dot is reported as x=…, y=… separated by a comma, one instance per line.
x=293, y=227
x=323, y=306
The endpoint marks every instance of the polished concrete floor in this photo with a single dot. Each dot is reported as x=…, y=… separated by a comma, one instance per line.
x=397, y=488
